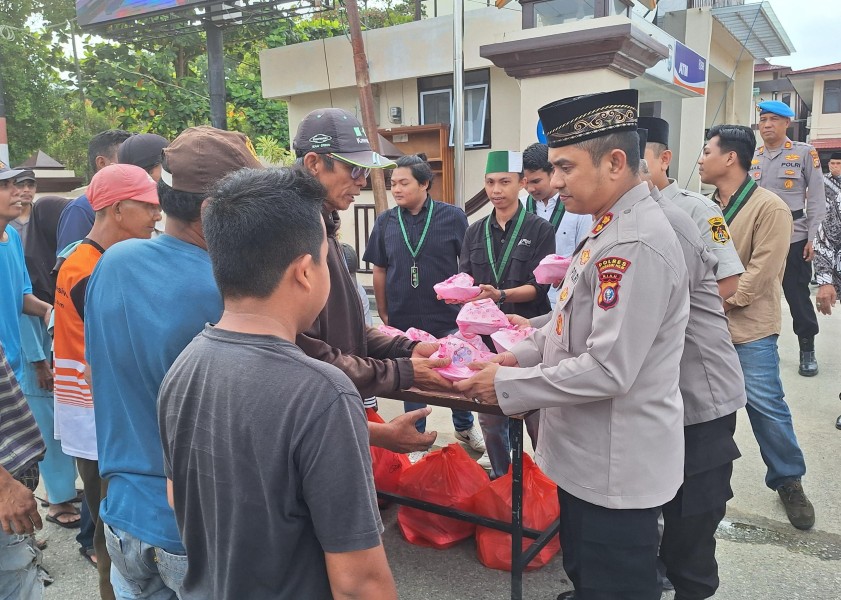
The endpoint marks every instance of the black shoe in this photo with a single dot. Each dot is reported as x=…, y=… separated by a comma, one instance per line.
x=570, y=595
x=808, y=364
x=799, y=510
x=838, y=422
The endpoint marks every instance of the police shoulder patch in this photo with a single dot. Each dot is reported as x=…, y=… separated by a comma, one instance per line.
x=611, y=270
x=718, y=230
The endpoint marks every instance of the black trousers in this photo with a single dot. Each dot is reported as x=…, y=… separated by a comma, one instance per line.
x=796, y=279
x=609, y=554
x=688, y=546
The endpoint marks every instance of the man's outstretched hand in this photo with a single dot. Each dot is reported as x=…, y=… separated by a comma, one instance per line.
x=400, y=434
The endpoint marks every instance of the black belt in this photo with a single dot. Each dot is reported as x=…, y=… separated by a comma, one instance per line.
x=797, y=214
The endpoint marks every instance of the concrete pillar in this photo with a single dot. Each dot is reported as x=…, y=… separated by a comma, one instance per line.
x=537, y=91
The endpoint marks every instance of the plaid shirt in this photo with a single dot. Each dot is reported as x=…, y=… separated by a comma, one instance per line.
x=21, y=445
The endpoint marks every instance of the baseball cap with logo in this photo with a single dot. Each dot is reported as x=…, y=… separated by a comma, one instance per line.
x=201, y=156
x=336, y=131
x=118, y=182
x=6, y=172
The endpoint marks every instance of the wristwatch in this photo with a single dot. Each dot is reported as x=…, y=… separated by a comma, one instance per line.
x=502, y=297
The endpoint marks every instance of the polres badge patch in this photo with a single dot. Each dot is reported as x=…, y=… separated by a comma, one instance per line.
x=610, y=274
x=718, y=230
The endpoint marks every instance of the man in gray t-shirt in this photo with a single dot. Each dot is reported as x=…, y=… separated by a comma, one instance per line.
x=266, y=449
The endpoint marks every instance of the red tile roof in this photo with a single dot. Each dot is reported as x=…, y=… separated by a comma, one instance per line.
x=821, y=69
x=767, y=67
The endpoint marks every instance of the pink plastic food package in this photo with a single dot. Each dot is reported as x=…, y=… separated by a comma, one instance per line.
x=459, y=288
x=505, y=339
x=390, y=331
x=552, y=268
x=474, y=340
x=481, y=317
x=462, y=354
x=419, y=335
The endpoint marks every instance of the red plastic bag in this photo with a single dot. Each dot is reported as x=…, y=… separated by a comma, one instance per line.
x=448, y=477
x=540, y=509
x=388, y=466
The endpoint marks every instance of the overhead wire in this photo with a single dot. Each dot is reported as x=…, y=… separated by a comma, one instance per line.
x=727, y=86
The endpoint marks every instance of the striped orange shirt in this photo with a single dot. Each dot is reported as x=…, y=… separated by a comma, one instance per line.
x=70, y=385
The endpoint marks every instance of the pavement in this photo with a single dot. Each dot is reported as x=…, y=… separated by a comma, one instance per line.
x=761, y=556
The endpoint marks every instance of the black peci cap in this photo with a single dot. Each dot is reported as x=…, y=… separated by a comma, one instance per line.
x=835, y=156
x=643, y=133
x=658, y=129
x=580, y=118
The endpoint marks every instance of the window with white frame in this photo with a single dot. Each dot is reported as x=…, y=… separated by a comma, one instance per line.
x=436, y=105
x=832, y=96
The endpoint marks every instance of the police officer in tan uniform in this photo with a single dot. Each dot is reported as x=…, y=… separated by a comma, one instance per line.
x=792, y=170
x=713, y=389
x=706, y=213
x=604, y=369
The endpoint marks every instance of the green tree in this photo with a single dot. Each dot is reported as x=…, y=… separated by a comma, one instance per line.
x=33, y=88
x=68, y=143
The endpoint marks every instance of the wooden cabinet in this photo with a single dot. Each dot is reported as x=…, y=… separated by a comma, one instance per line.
x=432, y=140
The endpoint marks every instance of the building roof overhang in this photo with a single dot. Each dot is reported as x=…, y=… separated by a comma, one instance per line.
x=757, y=26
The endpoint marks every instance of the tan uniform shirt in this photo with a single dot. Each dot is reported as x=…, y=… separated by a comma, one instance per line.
x=707, y=216
x=793, y=172
x=711, y=380
x=605, y=368
x=761, y=231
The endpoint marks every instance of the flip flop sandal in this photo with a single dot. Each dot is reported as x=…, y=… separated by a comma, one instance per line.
x=88, y=554
x=42, y=544
x=65, y=525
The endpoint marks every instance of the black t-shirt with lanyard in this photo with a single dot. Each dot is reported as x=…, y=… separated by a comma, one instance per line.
x=417, y=252
x=515, y=252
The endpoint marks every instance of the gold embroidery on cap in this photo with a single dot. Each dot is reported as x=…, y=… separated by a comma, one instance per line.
x=601, y=119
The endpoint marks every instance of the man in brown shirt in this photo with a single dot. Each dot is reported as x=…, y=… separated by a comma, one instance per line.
x=760, y=224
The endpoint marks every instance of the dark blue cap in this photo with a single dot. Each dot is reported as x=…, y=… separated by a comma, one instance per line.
x=775, y=107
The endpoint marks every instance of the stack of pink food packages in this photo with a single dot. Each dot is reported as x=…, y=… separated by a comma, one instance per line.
x=481, y=317
x=458, y=288
x=461, y=352
x=413, y=333
x=552, y=268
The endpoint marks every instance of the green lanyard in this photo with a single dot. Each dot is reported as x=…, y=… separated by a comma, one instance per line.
x=557, y=213
x=414, y=274
x=499, y=269
x=736, y=205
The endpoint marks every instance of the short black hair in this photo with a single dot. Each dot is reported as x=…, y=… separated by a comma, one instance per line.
x=105, y=144
x=536, y=158
x=627, y=141
x=417, y=164
x=735, y=138
x=184, y=206
x=657, y=148
x=256, y=223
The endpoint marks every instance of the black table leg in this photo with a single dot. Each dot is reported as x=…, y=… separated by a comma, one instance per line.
x=517, y=566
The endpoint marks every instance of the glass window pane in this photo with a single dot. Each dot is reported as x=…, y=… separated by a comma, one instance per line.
x=554, y=12
x=475, y=103
x=436, y=107
x=832, y=96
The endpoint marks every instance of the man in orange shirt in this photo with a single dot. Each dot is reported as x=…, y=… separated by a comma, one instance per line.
x=125, y=200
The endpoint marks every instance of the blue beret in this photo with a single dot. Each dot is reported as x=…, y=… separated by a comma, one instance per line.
x=776, y=107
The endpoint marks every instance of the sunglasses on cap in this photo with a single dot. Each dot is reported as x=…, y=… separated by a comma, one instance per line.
x=355, y=171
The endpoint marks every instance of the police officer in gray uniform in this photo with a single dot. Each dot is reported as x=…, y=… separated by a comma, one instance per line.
x=713, y=389
x=604, y=370
x=706, y=213
x=792, y=170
